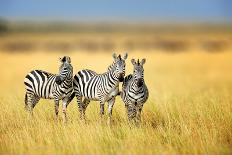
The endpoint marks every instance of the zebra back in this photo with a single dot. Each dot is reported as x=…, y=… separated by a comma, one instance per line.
x=40, y=83
x=92, y=85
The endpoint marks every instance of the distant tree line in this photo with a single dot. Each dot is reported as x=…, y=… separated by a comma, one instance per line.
x=60, y=27
x=3, y=26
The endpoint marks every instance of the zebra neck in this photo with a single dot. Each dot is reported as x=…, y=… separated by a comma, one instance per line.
x=112, y=76
x=68, y=81
x=111, y=67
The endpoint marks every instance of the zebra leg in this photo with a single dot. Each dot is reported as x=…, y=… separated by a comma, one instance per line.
x=31, y=100
x=131, y=109
x=80, y=106
x=102, y=104
x=64, y=108
x=102, y=109
x=138, y=115
x=85, y=105
x=131, y=112
x=110, y=108
x=56, y=108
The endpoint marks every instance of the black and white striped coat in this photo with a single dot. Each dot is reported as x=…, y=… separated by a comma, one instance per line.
x=100, y=87
x=134, y=92
x=41, y=84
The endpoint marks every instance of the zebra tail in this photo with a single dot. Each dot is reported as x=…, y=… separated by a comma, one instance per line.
x=26, y=101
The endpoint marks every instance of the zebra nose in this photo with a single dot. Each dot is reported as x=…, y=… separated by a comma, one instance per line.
x=58, y=80
x=139, y=82
x=121, y=77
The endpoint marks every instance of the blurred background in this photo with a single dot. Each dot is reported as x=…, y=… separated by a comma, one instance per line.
x=177, y=37
x=105, y=26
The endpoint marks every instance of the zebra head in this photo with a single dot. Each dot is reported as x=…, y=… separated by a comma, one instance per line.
x=65, y=70
x=138, y=73
x=119, y=64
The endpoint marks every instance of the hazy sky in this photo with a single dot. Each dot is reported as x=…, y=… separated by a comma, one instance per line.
x=118, y=10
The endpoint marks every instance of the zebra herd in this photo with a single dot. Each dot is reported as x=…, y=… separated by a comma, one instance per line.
x=88, y=85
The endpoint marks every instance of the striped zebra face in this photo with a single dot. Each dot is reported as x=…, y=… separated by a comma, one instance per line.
x=138, y=74
x=120, y=66
x=65, y=70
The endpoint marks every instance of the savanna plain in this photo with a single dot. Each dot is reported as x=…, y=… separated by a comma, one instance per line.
x=189, y=110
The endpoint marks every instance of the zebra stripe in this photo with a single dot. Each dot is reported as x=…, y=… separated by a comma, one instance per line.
x=100, y=87
x=134, y=92
x=41, y=84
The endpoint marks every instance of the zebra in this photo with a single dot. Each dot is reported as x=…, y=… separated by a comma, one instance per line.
x=134, y=92
x=99, y=87
x=41, y=84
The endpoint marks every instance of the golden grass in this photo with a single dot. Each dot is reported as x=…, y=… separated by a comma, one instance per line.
x=189, y=110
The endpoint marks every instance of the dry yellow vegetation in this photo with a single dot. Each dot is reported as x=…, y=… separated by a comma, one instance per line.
x=189, y=110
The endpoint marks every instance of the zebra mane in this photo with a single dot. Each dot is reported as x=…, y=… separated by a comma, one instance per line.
x=138, y=62
x=111, y=67
x=47, y=74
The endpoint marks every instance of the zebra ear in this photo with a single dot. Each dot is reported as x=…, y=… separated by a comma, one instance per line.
x=125, y=56
x=114, y=55
x=133, y=61
x=63, y=59
x=143, y=61
x=68, y=59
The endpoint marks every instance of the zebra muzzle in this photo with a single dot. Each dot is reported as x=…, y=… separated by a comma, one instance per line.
x=140, y=83
x=121, y=78
x=58, y=80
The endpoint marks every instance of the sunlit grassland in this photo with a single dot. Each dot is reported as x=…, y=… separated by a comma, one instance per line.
x=189, y=110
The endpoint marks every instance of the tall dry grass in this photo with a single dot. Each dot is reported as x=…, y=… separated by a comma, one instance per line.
x=189, y=110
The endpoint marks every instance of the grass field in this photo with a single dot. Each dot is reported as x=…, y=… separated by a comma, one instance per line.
x=189, y=110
